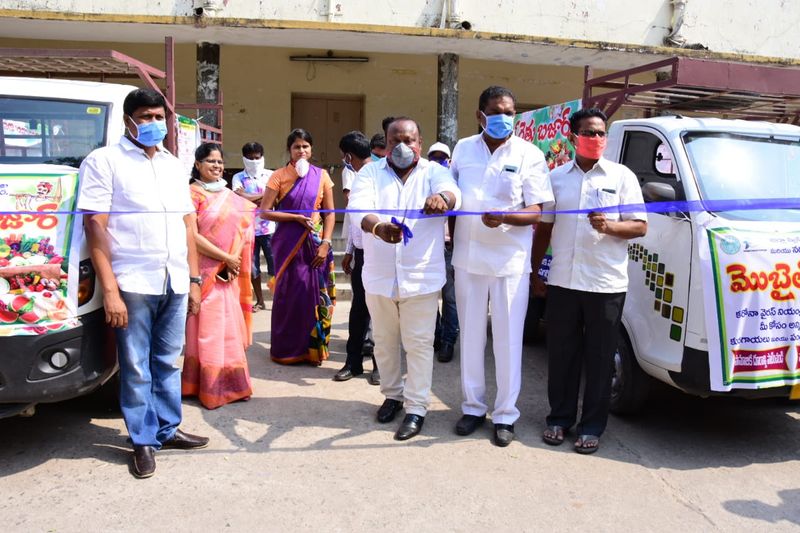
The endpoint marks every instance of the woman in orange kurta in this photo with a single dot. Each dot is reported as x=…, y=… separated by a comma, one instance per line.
x=303, y=288
x=215, y=366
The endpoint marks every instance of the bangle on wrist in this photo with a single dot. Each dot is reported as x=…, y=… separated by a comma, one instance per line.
x=375, y=229
x=445, y=198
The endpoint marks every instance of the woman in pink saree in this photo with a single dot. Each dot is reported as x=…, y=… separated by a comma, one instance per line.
x=215, y=365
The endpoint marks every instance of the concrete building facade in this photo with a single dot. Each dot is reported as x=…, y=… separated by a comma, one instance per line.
x=538, y=49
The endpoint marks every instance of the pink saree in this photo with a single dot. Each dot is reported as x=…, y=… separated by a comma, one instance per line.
x=215, y=364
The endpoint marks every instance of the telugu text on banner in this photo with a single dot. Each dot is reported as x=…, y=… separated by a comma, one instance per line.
x=548, y=129
x=36, y=295
x=752, y=290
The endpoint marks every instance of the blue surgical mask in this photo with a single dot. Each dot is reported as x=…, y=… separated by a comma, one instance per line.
x=498, y=126
x=150, y=133
x=375, y=157
x=348, y=165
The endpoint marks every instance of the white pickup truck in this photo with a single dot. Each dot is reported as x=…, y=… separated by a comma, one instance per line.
x=54, y=343
x=711, y=299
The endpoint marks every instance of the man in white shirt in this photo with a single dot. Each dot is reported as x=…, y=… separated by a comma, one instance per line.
x=250, y=184
x=139, y=227
x=588, y=279
x=496, y=172
x=403, y=274
x=354, y=147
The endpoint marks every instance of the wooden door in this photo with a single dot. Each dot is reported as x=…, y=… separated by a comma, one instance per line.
x=327, y=119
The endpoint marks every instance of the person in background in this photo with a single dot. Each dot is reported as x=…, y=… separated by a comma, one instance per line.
x=250, y=184
x=148, y=269
x=304, y=285
x=446, y=321
x=385, y=127
x=496, y=172
x=588, y=280
x=355, y=156
x=377, y=146
x=215, y=363
x=403, y=274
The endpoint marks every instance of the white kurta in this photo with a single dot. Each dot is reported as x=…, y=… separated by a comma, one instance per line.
x=492, y=265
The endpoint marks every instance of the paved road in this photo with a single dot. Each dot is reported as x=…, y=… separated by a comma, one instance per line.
x=305, y=454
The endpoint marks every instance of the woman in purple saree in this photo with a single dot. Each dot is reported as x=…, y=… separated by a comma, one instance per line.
x=303, y=288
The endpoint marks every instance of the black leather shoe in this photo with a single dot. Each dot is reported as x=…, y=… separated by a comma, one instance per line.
x=346, y=373
x=374, y=378
x=389, y=410
x=144, y=461
x=411, y=426
x=503, y=434
x=468, y=424
x=445, y=355
x=185, y=441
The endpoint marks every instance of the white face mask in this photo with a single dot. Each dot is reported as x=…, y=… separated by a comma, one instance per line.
x=214, y=186
x=253, y=167
x=301, y=167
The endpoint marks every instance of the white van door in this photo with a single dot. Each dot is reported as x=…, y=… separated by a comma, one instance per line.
x=659, y=266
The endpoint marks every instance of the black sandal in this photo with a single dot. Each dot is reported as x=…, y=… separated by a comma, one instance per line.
x=582, y=442
x=553, y=435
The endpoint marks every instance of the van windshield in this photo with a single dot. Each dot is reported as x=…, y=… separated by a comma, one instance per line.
x=60, y=132
x=746, y=167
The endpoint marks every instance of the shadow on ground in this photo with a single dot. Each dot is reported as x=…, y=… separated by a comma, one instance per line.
x=786, y=510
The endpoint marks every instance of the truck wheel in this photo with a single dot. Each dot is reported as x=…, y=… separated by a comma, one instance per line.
x=629, y=384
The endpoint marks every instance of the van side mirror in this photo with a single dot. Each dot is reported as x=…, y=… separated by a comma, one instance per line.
x=658, y=192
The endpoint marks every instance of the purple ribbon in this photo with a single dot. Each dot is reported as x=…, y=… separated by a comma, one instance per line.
x=406, y=230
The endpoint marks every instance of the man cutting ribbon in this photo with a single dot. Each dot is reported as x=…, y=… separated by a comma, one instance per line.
x=402, y=283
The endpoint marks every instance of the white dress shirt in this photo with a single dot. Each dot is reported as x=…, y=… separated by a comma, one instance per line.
x=149, y=244
x=353, y=234
x=347, y=183
x=397, y=270
x=584, y=259
x=513, y=177
x=347, y=178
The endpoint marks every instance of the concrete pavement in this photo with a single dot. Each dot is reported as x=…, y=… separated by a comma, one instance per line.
x=306, y=454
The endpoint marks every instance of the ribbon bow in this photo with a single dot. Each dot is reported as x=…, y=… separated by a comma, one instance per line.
x=406, y=230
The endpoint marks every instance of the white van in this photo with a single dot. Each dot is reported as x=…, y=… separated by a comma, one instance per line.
x=714, y=290
x=54, y=343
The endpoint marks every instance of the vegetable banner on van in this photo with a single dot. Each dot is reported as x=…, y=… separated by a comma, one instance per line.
x=548, y=129
x=752, y=287
x=36, y=295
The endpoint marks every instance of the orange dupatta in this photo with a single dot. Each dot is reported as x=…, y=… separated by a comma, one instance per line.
x=226, y=220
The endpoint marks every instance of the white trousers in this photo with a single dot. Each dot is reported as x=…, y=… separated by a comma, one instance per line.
x=408, y=323
x=507, y=298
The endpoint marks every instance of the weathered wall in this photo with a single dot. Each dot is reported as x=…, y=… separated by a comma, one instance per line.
x=759, y=27
x=258, y=83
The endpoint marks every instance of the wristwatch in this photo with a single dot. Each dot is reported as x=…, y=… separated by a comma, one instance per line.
x=328, y=242
x=445, y=198
x=196, y=279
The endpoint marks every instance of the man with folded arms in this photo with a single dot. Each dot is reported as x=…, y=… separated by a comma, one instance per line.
x=403, y=274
